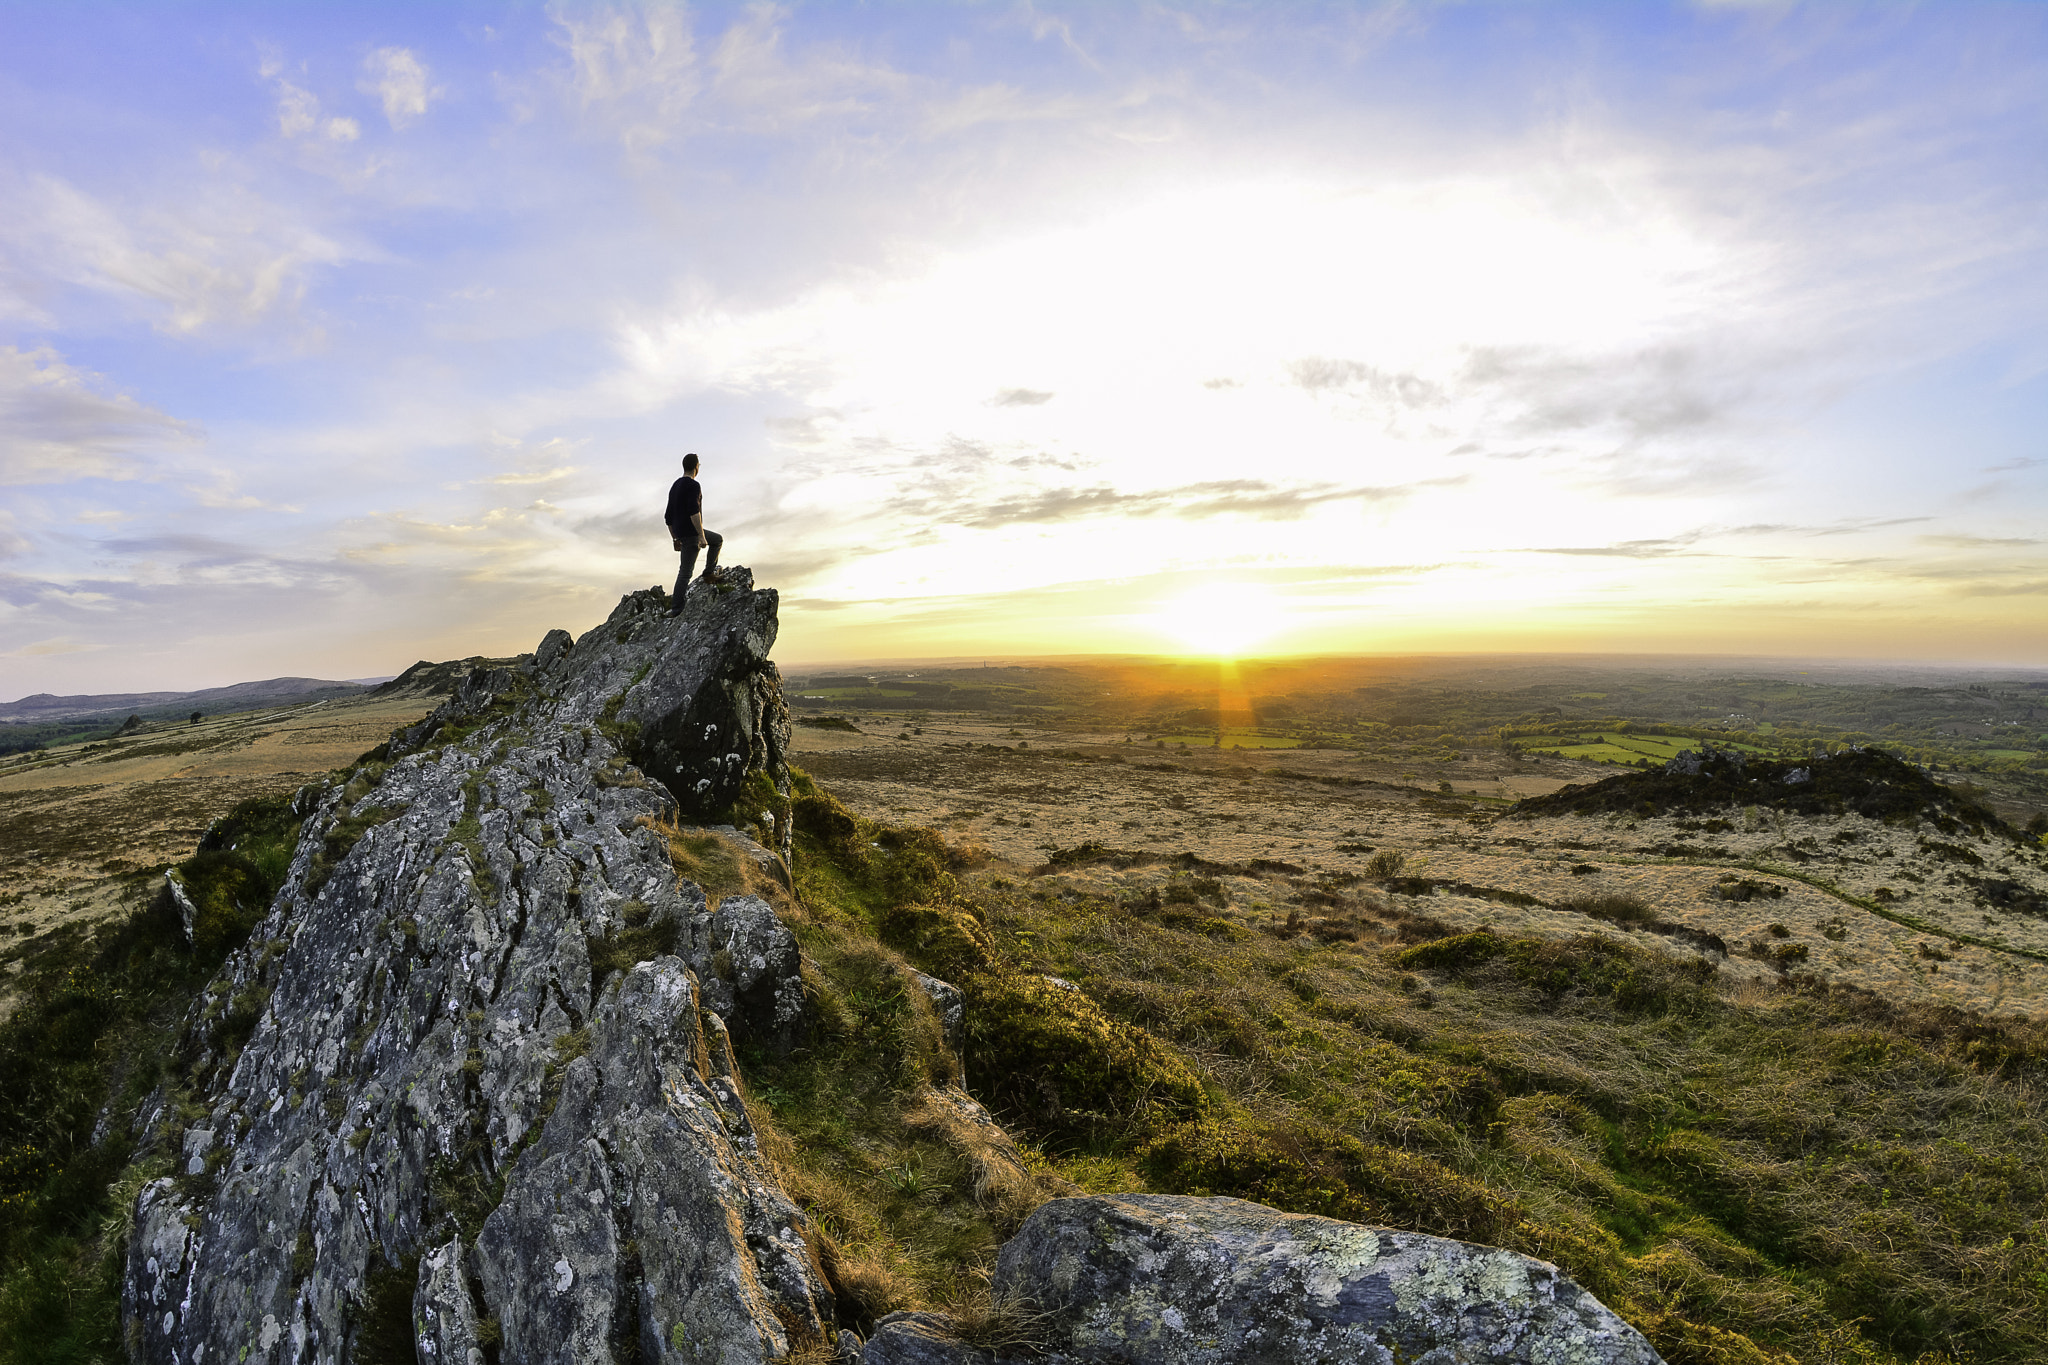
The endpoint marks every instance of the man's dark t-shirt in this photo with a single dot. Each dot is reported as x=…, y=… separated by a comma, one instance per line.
x=685, y=500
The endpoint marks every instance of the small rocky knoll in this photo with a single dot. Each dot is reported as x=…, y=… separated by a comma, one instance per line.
x=469, y=1094
x=1865, y=782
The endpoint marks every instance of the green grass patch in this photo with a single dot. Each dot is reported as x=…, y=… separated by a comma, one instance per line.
x=1630, y=749
x=1232, y=739
x=237, y=871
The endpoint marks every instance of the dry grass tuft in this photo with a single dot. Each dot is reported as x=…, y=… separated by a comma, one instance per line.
x=867, y=1283
x=1004, y=1184
x=1006, y=1325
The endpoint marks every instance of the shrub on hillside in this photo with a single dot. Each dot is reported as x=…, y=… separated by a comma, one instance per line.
x=1305, y=1168
x=1044, y=1056
x=1615, y=908
x=1637, y=982
x=1867, y=782
x=893, y=864
x=942, y=939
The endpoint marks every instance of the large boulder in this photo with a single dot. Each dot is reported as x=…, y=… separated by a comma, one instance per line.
x=1168, y=1280
x=470, y=1078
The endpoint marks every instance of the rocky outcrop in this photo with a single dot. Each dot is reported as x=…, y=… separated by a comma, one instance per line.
x=468, y=1094
x=1165, y=1280
x=470, y=1079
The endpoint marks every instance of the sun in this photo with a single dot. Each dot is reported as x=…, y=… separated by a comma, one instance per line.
x=1222, y=621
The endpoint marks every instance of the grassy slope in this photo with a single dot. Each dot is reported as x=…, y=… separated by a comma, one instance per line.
x=1824, y=1177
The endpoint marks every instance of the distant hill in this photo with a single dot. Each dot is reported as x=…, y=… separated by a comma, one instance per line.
x=43, y=707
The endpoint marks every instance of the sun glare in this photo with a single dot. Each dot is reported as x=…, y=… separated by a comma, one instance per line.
x=1222, y=621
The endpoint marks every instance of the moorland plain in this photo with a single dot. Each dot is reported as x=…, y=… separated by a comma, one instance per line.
x=1854, y=901
x=83, y=826
x=1429, y=714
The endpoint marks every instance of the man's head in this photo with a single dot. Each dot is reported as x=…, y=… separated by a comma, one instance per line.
x=690, y=465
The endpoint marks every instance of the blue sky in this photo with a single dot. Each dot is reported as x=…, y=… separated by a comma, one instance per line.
x=336, y=337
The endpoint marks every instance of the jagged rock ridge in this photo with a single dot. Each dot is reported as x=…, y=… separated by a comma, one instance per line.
x=413, y=1095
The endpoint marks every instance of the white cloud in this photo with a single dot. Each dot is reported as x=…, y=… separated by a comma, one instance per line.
x=58, y=423
x=297, y=110
x=616, y=53
x=397, y=77
x=640, y=71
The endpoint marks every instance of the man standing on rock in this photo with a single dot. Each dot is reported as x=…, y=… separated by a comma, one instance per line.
x=685, y=518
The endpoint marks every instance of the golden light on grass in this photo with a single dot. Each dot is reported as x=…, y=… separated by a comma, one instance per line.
x=1222, y=621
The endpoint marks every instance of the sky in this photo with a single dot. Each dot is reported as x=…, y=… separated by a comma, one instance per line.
x=337, y=337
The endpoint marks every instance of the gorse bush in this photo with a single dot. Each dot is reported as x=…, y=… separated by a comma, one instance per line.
x=1615, y=908
x=947, y=938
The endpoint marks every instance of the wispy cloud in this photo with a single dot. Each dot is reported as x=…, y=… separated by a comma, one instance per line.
x=1627, y=549
x=1970, y=542
x=1851, y=526
x=59, y=424
x=1319, y=374
x=59, y=644
x=298, y=111
x=1253, y=498
x=226, y=257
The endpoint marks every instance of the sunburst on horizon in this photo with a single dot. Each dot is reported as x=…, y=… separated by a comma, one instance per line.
x=1224, y=620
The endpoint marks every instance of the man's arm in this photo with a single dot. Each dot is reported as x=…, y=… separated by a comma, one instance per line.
x=697, y=524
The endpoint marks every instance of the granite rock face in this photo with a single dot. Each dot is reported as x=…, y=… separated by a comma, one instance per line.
x=414, y=1103
x=1167, y=1280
